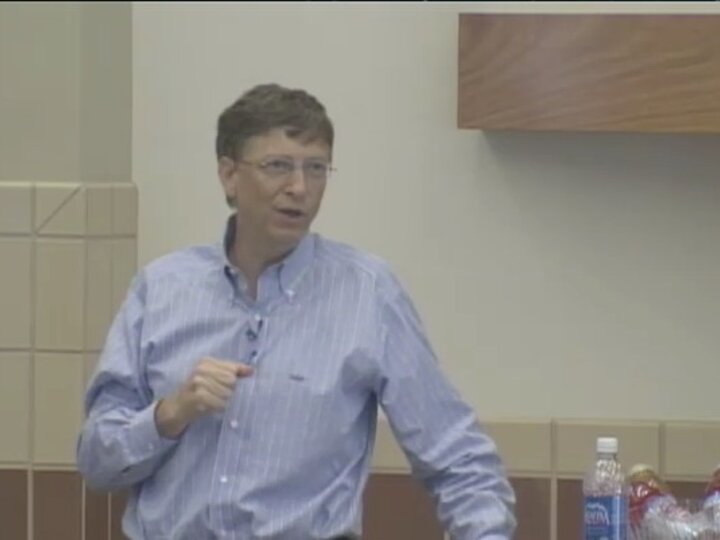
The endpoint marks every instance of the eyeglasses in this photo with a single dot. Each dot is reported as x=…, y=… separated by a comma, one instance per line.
x=281, y=168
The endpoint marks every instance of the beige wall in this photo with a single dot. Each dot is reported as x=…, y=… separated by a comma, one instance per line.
x=560, y=275
x=65, y=91
x=39, y=90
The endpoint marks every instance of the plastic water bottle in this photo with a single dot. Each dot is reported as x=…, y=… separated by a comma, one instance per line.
x=605, y=495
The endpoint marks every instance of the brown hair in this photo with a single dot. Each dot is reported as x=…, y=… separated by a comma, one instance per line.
x=266, y=107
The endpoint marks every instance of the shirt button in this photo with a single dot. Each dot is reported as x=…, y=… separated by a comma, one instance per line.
x=223, y=479
x=233, y=424
x=151, y=446
x=258, y=318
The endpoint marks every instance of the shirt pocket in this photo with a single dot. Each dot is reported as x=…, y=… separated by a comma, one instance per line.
x=296, y=405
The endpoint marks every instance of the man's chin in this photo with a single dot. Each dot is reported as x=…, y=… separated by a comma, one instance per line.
x=287, y=240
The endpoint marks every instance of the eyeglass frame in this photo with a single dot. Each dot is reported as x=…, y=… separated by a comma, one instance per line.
x=262, y=165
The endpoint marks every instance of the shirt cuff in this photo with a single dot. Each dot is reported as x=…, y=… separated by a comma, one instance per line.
x=144, y=441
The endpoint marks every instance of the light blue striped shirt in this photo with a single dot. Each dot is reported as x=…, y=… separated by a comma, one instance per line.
x=331, y=335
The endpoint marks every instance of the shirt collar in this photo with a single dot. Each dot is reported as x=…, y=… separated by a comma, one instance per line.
x=289, y=271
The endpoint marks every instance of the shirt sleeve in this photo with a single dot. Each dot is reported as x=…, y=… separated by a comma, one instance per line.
x=448, y=450
x=119, y=444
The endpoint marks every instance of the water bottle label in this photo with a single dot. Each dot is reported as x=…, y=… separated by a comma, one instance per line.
x=606, y=518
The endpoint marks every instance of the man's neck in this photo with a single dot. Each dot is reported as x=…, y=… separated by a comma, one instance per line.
x=251, y=258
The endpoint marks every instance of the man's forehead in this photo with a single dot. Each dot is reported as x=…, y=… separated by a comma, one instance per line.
x=287, y=140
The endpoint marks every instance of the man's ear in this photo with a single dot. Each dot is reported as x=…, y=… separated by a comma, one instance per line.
x=226, y=173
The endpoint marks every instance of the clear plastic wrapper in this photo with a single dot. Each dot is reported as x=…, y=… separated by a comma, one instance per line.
x=655, y=514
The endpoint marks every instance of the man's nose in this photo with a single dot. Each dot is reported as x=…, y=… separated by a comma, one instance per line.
x=297, y=183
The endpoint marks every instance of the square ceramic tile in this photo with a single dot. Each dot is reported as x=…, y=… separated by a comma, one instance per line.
x=397, y=507
x=692, y=449
x=60, y=293
x=525, y=446
x=15, y=292
x=60, y=209
x=99, y=290
x=124, y=268
x=532, y=509
x=59, y=388
x=97, y=515
x=639, y=442
x=125, y=209
x=118, y=503
x=57, y=508
x=13, y=504
x=16, y=207
x=569, y=510
x=99, y=199
x=14, y=407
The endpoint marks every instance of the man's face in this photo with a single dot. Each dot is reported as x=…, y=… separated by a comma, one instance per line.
x=277, y=185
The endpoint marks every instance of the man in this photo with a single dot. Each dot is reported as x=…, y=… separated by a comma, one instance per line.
x=238, y=389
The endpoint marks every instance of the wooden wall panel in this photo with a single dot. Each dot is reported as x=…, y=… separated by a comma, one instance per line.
x=623, y=73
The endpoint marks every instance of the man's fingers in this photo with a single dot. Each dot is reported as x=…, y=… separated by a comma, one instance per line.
x=229, y=373
x=227, y=379
x=211, y=385
x=233, y=369
x=243, y=370
x=210, y=402
x=220, y=389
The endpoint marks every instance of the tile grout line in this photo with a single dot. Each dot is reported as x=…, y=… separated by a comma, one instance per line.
x=83, y=492
x=33, y=344
x=83, y=501
x=53, y=467
x=108, y=503
x=553, y=481
x=111, y=292
x=10, y=465
x=662, y=461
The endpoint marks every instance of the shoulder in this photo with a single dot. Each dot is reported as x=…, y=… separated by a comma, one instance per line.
x=185, y=265
x=363, y=265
